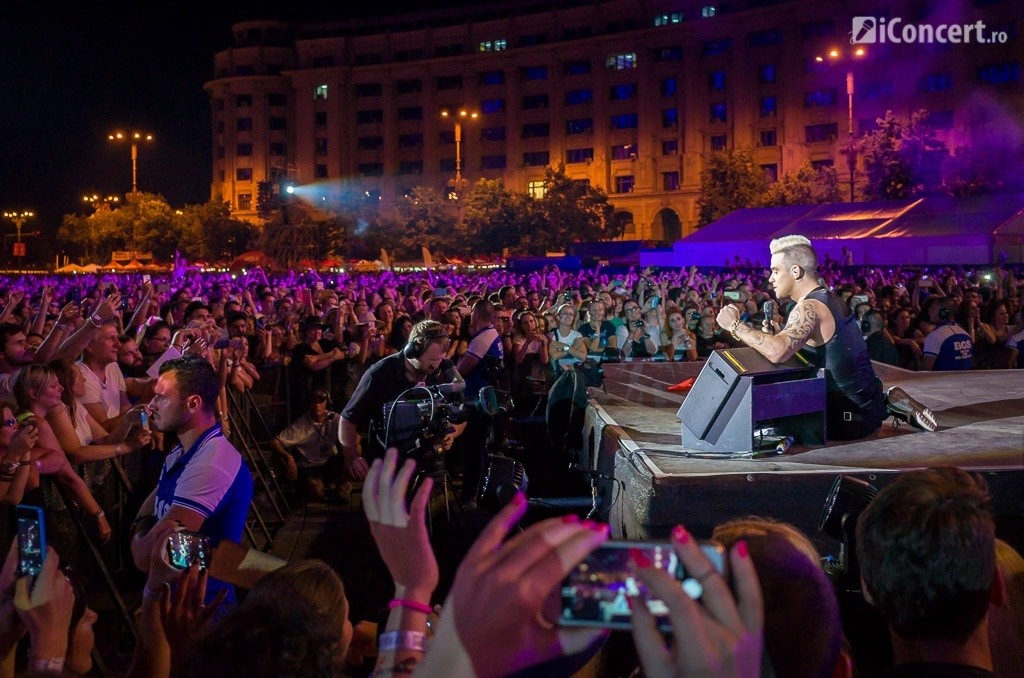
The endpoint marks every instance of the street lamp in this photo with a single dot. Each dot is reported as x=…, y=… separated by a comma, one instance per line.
x=458, y=184
x=98, y=202
x=836, y=56
x=19, y=219
x=134, y=138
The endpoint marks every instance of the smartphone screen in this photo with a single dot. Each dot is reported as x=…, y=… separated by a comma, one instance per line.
x=185, y=548
x=732, y=295
x=597, y=591
x=31, y=539
x=146, y=278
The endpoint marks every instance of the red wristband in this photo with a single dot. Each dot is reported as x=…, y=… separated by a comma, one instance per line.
x=411, y=605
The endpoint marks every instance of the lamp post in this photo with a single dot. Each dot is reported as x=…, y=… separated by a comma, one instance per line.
x=458, y=184
x=836, y=56
x=98, y=202
x=134, y=138
x=19, y=219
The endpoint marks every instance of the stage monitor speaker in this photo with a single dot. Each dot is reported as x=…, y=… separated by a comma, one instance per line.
x=739, y=392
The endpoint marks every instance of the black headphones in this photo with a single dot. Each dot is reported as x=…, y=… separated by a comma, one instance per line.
x=944, y=311
x=418, y=342
x=865, y=321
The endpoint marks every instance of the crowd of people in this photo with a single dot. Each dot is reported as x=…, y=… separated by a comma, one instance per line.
x=118, y=391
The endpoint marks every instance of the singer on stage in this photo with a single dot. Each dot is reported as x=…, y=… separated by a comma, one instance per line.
x=421, y=362
x=825, y=331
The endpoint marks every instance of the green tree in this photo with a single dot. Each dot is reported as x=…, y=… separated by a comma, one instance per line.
x=902, y=160
x=427, y=220
x=570, y=211
x=495, y=218
x=809, y=186
x=730, y=180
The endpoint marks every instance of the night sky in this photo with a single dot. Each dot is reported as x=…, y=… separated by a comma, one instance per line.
x=71, y=74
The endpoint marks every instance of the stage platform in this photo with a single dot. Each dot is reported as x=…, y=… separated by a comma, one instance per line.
x=650, y=482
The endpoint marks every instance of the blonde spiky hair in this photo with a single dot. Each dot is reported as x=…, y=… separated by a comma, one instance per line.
x=787, y=241
x=795, y=250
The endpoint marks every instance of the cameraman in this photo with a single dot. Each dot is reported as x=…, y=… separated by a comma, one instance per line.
x=421, y=362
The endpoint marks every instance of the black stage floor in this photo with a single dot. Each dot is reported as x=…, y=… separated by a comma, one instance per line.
x=633, y=436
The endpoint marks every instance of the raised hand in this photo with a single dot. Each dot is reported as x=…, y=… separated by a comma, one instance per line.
x=496, y=619
x=400, y=532
x=720, y=636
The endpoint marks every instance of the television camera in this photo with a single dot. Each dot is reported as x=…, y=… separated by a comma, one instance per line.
x=417, y=421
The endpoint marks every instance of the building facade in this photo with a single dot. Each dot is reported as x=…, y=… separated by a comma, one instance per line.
x=631, y=96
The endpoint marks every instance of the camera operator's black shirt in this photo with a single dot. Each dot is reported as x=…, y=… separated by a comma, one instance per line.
x=381, y=384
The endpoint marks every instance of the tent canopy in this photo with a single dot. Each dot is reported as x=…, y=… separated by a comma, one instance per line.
x=923, y=231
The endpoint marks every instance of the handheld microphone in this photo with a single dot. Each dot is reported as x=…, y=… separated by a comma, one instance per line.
x=768, y=309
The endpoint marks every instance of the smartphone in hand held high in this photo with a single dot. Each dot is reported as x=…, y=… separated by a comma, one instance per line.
x=596, y=592
x=31, y=539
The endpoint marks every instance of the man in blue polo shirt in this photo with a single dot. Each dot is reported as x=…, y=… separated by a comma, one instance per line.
x=948, y=346
x=204, y=484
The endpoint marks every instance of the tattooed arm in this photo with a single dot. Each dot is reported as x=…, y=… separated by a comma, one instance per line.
x=803, y=321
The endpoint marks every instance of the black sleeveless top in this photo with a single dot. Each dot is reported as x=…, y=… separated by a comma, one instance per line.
x=844, y=356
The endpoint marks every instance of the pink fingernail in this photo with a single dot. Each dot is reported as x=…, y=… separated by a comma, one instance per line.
x=680, y=534
x=570, y=518
x=741, y=548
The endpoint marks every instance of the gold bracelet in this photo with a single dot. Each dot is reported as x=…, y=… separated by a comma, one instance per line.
x=735, y=326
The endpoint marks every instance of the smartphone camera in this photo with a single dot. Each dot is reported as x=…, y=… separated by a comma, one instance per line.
x=597, y=591
x=31, y=539
x=186, y=548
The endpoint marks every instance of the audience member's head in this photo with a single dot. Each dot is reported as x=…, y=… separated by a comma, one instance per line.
x=733, y=530
x=803, y=633
x=926, y=549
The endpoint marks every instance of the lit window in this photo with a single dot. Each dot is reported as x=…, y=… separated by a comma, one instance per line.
x=718, y=112
x=320, y=92
x=670, y=181
x=245, y=201
x=707, y=11
x=493, y=45
x=621, y=62
x=536, y=189
x=668, y=19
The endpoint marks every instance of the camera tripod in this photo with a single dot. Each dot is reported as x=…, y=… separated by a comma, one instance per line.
x=443, y=488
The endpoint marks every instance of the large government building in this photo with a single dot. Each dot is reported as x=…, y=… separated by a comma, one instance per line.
x=631, y=96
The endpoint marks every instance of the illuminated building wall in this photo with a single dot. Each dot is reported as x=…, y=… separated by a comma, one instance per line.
x=631, y=95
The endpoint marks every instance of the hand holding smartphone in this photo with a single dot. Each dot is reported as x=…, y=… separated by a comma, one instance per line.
x=185, y=548
x=31, y=539
x=597, y=591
